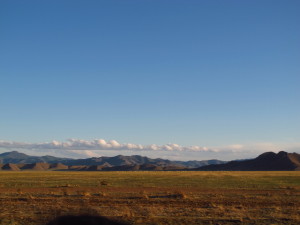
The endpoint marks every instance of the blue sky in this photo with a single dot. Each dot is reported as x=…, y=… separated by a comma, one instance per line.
x=215, y=74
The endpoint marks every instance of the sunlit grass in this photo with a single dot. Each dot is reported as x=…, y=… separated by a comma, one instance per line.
x=226, y=179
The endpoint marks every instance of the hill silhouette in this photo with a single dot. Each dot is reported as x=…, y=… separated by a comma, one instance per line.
x=268, y=161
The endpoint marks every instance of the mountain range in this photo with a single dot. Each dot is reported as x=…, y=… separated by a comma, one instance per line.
x=119, y=162
x=268, y=161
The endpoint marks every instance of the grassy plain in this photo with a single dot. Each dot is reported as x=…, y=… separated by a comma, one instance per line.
x=31, y=198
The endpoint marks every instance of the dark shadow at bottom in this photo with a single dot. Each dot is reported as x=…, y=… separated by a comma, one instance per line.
x=84, y=220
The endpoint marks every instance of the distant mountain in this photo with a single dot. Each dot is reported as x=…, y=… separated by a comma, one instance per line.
x=195, y=163
x=17, y=157
x=119, y=160
x=144, y=167
x=268, y=161
x=62, y=167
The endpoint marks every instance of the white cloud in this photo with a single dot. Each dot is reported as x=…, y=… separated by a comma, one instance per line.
x=77, y=148
x=99, y=144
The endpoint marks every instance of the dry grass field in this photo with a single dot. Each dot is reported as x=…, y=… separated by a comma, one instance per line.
x=31, y=198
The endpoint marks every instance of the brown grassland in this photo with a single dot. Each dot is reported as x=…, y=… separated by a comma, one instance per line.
x=31, y=198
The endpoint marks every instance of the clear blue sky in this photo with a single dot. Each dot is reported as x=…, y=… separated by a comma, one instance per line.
x=206, y=73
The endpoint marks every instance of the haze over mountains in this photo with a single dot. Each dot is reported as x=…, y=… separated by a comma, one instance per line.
x=268, y=161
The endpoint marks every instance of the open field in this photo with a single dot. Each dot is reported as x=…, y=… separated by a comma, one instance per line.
x=30, y=198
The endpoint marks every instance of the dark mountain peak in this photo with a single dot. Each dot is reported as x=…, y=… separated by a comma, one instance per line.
x=139, y=157
x=121, y=157
x=14, y=154
x=268, y=161
x=282, y=154
x=10, y=153
x=267, y=155
x=272, y=155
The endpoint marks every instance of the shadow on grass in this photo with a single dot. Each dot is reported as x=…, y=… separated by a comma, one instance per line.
x=85, y=220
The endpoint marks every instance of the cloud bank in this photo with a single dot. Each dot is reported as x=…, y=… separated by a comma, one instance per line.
x=99, y=144
x=77, y=148
x=113, y=145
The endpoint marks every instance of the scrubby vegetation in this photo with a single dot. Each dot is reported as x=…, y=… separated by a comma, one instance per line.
x=152, y=197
